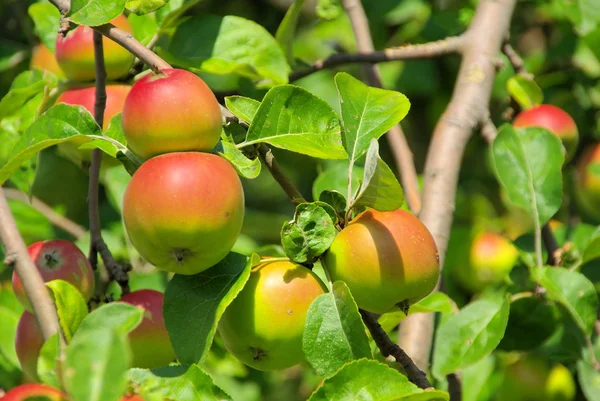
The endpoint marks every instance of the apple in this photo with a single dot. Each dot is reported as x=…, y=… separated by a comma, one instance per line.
x=43, y=59
x=61, y=184
x=75, y=53
x=150, y=343
x=387, y=259
x=555, y=120
x=184, y=211
x=491, y=258
x=263, y=326
x=533, y=378
x=28, y=343
x=173, y=111
x=25, y=392
x=587, y=182
x=58, y=259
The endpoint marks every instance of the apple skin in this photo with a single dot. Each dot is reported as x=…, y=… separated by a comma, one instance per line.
x=263, y=326
x=174, y=111
x=28, y=343
x=554, y=119
x=26, y=391
x=43, y=59
x=58, y=259
x=491, y=258
x=587, y=184
x=75, y=53
x=385, y=258
x=184, y=211
x=150, y=343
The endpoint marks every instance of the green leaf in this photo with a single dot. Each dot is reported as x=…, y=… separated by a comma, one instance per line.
x=144, y=27
x=95, y=12
x=59, y=124
x=194, y=304
x=588, y=376
x=335, y=199
x=329, y=9
x=177, y=383
x=242, y=107
x=247, y=168
x=476, y=380
x=228, y=45
x=117, y=316
x=287, y=30
x=335, y=178
x=371, y=380
x=8, y=331
x=470, y=335
x=528, y=163
x=334, y=332
x=168, y=15
x=434, y=302
x=367, y=112
x=141, y=7
x=46, y=20
x=47, y=362
x=70, y=306
x=294, y=119
x=25, y=86
x=525, y=91
x=95, y=365
x=310, y=234
x=574, y=291
x=592, y=249
x=379, y=189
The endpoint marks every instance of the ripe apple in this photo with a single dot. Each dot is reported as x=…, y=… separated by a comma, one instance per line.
x=58, y=259
x=532, y=378
x=263, y=326
x=174, y=111
x=61, y=184
x=25, y=392
x=75, y=53
x=43, y=59
x=150, y=343
x=387, y=259
x=587, y=182
x=491, y=258
x=28, y=343
x=184, y=211
x=554, y=119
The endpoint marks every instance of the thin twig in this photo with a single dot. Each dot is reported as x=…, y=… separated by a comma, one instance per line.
x=551, y=246
x=454, y=386
x=515, y=60
x=97, y=244
x=266, y=155
x=450, y=45
x=489, y=132
x=402, y=153
x=388, y=347
x=468, y=108
x=60, y=221
x=17, y=256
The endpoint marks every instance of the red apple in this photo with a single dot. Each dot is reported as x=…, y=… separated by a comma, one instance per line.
x=43, y=59
x=150, y=343
x=174, y=111
x=387, y=259
x=184, y=211
x=263, y=326
x=32, y=391
x=75, y=53
x=555, y=120
x=587, y=182
x=58, y=260
x=28, y=343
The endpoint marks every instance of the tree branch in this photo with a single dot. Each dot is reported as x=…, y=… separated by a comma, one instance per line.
x=97, y=245
x=388, y=347
x=468, y=108
x=56, y=219
x=286, y=184
x=515, y=60
x=17, y=255
x=402, y=153
x=451, y=45
x=551, y=245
